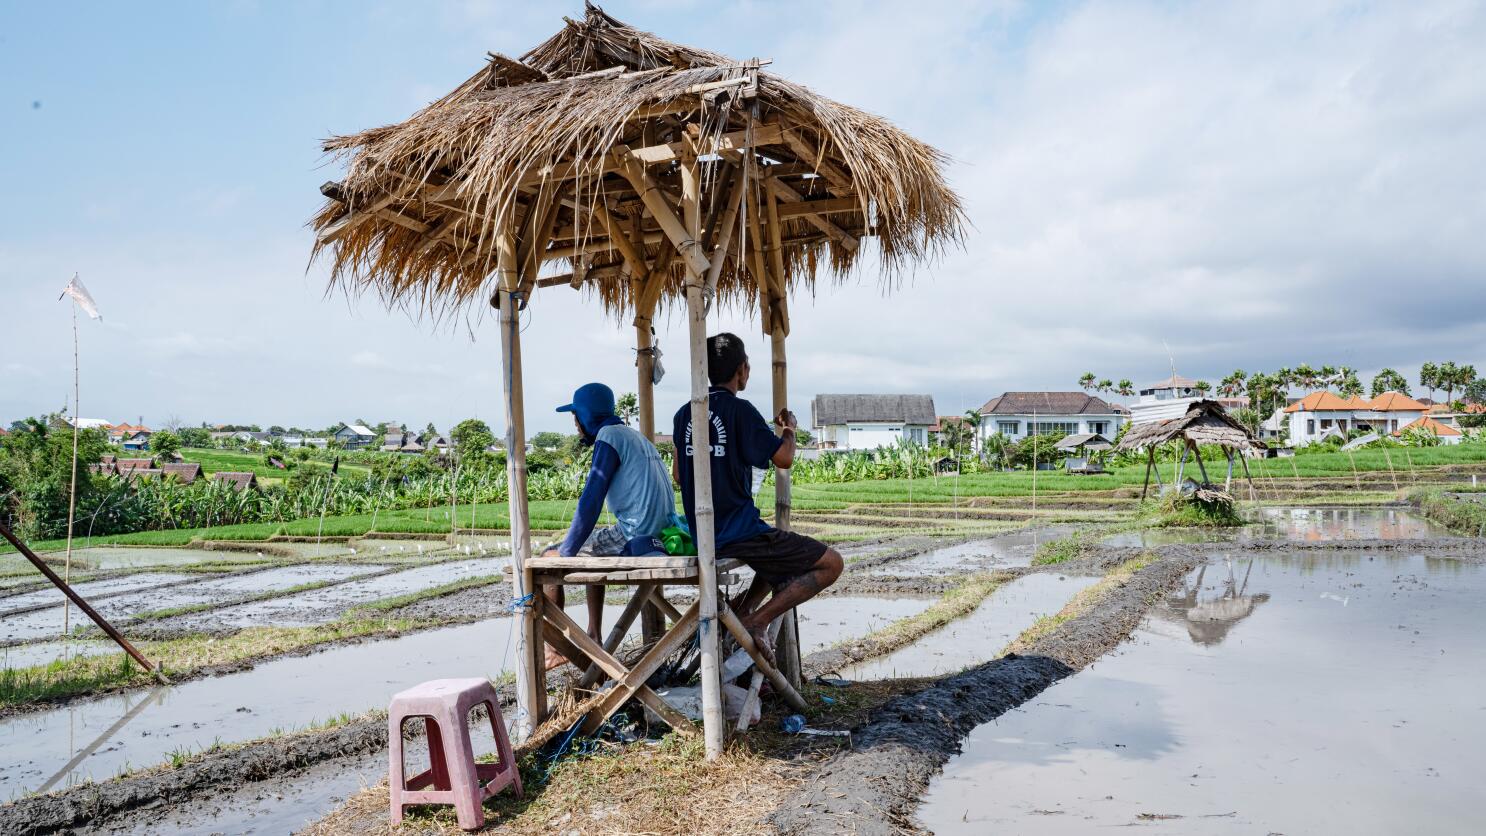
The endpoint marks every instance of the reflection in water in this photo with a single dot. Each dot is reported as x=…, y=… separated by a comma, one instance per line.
x=1209, y=618
x=1320, y=524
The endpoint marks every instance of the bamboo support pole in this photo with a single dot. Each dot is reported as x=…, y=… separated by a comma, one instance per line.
x=82, y=604
x=701, y=456
x=531, y=693
x=777, y=326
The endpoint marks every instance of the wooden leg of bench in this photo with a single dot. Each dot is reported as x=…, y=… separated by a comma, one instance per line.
x=561, y=623
x=633, y=681
x=658, y=598
x=745, y=641
x=756, y=682
x=595, y=674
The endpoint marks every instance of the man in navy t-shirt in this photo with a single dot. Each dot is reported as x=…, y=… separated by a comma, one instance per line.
x=797, y=567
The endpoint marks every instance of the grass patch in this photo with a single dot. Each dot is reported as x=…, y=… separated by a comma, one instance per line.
x=1459, y=515
x=954, y=604
x=1064, y=549
x=1177, y=511
x=1081, y=603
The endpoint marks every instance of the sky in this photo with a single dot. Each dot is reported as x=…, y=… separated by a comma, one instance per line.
x=1215, y=185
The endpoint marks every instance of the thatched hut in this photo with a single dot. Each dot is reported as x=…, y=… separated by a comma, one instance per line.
x=646, y=173
x=1205, y=422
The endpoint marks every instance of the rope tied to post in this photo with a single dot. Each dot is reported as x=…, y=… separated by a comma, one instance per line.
x=522, y=604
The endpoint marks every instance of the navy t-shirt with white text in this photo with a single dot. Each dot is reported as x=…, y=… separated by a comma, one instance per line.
x=741, y=440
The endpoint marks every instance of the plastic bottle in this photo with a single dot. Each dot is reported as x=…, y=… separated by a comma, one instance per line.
x=793, y=724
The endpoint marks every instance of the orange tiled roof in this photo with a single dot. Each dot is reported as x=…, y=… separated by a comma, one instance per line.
x=1430, y=424
x=1323, y=400
x=1397, y=402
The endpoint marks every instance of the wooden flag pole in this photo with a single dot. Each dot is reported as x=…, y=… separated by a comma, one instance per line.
x=72, y=491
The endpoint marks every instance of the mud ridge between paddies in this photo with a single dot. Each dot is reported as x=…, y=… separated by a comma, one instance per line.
x=874, y=787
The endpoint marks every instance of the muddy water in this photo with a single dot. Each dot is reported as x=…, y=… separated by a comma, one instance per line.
x=321, y=605
x=105, y=557
x=44, y=653
x=51, y=594
x=827, y=620
x=1013, y=549
x=980, y=636
x=45, y=622
x=141, y=728
x=1285, y=694
x=1298, y=524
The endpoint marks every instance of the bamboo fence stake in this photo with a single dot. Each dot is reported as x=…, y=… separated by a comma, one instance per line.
x=701, y=456
x=778, y=328
x=77, y=416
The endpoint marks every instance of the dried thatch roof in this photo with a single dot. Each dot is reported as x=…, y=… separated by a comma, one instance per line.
x=1206, y=422
x=548, y=145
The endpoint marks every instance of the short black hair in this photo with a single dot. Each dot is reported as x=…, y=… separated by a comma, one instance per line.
x=725, y=355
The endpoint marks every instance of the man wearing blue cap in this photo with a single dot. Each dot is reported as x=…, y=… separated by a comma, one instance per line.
x=627, y=474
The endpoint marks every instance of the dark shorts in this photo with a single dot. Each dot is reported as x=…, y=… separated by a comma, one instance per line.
x=776, y=556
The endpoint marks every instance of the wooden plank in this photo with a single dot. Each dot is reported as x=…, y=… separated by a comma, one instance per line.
x=787, y=194
x=626, y=686
x=819, y=207
x=838, y=179
x=575, y=635
x=618, y=564
x=684, y=239
x=617, y=632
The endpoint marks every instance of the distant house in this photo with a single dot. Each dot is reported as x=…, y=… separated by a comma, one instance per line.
x=1171, y=398
x=435, y=442
x=138, y=440
x=92, y=424
x=354, y=436
x=239, y=481
x=184, y=472
x=398, y=440
x=866, y=422
x=1323, y=414
x=124, y=433
x=1017, y=415
x=1446, y=433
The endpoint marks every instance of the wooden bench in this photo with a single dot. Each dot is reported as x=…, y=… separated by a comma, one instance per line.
x=648, y=575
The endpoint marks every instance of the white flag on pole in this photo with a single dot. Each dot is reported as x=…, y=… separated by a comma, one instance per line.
x=81, y=296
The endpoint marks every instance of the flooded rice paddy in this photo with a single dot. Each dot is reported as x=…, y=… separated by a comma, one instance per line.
x=980, y=636
x=1279, y=694
x=38, y=623
x=1012, y=549
x=1297, y=524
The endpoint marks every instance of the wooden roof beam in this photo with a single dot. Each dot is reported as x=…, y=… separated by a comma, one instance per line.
x=788, y=195
x=655, y=154
x=828, y=206
x=838, y=179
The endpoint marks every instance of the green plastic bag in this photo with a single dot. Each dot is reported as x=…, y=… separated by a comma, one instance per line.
x=678, y=541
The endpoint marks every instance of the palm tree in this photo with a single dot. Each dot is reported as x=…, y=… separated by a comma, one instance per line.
x=1350, y=386
x=1125, y=388
x=1328, y=377
x=1104, y=386
x=1232, y=386
x=1304, y=376
x=1429, y=378
x=1202, y=387
x=972, y=420
x=1086, y=381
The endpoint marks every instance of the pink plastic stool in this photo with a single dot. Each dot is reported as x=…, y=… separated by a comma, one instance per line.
x=455, y=778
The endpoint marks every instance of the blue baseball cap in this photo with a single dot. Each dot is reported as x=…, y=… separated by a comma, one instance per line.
x=591, y=402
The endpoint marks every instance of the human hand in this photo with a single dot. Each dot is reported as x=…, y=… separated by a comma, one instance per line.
x=551, y=552
x=786, y=419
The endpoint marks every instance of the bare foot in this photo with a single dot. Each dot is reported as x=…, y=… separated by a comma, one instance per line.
x=555, y=659
x=762, y=641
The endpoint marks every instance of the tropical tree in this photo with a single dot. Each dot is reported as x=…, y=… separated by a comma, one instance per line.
x=1305, y=377
x=1086, y=381
x=972, y=420
x=1452, y=377
x=1232, y=386
x=1125, y=388
x=1349, y=385
x=1429, y=378
x=1389, y=380
x=1202, y=387
x=164, y=444
x=627, y=407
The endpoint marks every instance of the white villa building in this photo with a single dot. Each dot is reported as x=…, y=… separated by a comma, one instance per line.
x=866, y=422
x=1320, y=415
x=1017, y=415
